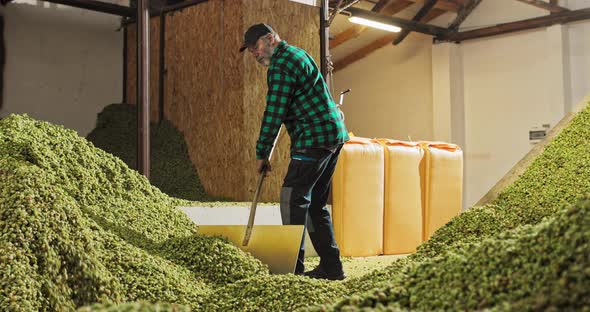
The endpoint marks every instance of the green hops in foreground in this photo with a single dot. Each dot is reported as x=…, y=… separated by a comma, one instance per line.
x=78, y=227
x=274, y=293
x=546, y=265
x=135, y=307
x=556, y=178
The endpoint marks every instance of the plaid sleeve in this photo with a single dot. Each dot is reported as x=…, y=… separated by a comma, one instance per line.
x=280, y=90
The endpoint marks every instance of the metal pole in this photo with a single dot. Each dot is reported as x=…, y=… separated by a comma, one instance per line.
x=324, y=43
x=162, y=71
x=125, y=47
x=143, y=95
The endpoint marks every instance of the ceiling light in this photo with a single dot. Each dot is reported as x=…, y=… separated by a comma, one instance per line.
x=370, y=23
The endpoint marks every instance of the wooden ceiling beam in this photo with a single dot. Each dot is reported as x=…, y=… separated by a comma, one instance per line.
x=379, y=43
x=386, y=7
x=98, y=6
x=446, y=5
x=463, y=13
x=549, y=6
x=421, y=13
x=537, y=22
x=400, y=22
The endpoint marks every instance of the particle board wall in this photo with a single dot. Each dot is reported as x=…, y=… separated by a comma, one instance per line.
x=215, y=95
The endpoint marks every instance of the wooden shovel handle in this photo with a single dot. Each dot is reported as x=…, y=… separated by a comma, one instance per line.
x=257, y=194
x=253, y=209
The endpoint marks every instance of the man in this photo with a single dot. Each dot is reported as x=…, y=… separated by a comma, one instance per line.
x=299, y=98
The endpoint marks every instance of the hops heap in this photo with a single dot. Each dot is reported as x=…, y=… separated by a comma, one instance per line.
x=171, y=168
x=78, y=226
x=494, y=256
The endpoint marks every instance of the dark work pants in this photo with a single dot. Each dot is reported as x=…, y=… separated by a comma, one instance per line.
x=303, y=197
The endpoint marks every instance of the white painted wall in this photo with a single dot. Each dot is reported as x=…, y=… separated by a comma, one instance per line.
x=63, y=65
x=579, y=48
x=513, y=83
x=484, y=94
x=508, y=90
x=391, y=93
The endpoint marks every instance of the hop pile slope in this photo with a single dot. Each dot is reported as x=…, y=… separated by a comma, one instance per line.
x=78, y=226
x=171, y=168
x=558, y=177
x=540, y=267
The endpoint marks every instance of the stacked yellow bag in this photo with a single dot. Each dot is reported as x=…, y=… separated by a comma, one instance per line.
x=357, y=198
x=402, y=211
x=441, y=174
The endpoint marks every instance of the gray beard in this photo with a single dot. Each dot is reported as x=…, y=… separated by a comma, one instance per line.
x=264, y=59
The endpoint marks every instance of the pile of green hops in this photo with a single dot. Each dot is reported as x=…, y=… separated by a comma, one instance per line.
x=78, y=227
x=171, y=169
x=557, y=178
x=533, y=267
x=135, y=307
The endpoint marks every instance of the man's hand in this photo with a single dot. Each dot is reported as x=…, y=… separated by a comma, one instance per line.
x=263, y=165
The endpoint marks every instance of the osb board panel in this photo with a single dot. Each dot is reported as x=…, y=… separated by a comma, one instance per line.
x=154, y=55
x=203, y=92
x=298, y=24
x=215, y=95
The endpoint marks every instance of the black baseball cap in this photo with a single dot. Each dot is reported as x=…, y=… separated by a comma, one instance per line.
x=255, y=32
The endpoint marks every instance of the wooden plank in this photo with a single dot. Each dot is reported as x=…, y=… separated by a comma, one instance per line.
x=391, y=8
x=537, y=22
x=463, y=14
x=549, y=6
x=379, y=43
x=98, y=6
x=421, y=13
x=403, y=23
x=520, y=167
x=446, y=5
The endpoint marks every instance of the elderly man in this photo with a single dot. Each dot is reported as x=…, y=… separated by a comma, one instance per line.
x=299, y=98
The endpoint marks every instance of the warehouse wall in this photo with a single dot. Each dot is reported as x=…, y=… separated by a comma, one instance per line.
x=513, y=83
x=391, y=93
x=483, y=94
x=508, y=87
x=63, y=64
x=579, y=48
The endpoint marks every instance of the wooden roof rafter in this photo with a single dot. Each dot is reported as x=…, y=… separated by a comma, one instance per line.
x=428, y=5
x=386, y=7
x=381, y=42
x=445, y=5
x=98, y=6
x=463, y=14
x=550, y=6
x=532, y=23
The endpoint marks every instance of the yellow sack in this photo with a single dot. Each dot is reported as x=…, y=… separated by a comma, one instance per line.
x=357, y=198
x=402, y=211
x=441, y=174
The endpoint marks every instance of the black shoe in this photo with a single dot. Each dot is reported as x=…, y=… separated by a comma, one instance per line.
x=319, y=273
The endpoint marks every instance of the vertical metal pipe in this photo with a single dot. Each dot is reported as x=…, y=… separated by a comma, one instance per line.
x=162, y=64
x=124, y=100
x=324, y=43
x=2, y=60
x=143, y=95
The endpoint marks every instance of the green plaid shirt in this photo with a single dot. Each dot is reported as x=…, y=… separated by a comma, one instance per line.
x=298, y=97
